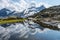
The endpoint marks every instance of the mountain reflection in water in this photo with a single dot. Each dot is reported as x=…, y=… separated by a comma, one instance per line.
x=27, y=31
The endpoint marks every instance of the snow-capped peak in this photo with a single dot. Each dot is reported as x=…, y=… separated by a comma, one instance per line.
x=33, y=10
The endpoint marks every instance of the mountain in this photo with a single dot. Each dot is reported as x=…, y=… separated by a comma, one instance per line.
x=4, y=13
x=52, y=12
x=32, y=10
x=25, y=13
x=51, y=15
x=41, y=8
x=29, y=11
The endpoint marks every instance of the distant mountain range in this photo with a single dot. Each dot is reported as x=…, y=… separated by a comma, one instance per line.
x=25, y=13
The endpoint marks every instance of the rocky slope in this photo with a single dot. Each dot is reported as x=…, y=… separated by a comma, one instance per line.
x=49, y=13
x=48, y=18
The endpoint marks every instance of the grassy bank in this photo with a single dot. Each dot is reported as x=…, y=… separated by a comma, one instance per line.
x=6, y=21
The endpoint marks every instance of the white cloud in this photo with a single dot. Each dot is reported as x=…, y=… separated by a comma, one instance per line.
x=43, y=3
x=19, y=6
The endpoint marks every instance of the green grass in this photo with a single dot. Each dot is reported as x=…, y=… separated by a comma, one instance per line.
x=11, y=21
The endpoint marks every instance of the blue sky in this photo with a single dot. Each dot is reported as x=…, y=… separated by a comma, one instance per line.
x=51, y=2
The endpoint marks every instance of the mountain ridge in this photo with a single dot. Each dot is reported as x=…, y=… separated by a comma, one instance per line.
x=5, y=12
